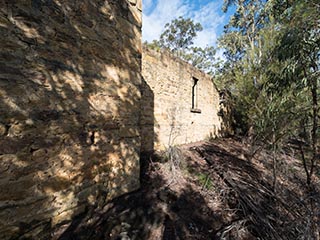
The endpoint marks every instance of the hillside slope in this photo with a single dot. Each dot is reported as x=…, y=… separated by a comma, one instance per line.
x=209, y=190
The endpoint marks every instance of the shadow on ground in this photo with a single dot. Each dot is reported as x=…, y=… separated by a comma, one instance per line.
x=173, y=203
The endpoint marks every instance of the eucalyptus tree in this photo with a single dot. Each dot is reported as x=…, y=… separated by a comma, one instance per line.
x=299, y=52
x=202, y=58
x=179, y=34
x=178, y=37
x=273, y=59
x=243, y=47
x=272, y=50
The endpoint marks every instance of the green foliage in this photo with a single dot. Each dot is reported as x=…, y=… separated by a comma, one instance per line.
x=243, y=73
x=202, y=58
x=179, y=34
x=205, y=181
x=272, y=69
x=153, y=45
x=178, y=37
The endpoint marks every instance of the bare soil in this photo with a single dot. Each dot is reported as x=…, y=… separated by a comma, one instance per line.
x=210, y=190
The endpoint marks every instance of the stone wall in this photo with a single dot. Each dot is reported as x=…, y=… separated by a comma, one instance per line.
x=69, y=109
x=175, y=109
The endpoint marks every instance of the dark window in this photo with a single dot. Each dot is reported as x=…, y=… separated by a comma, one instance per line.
x=194, y=93
x=194, y=106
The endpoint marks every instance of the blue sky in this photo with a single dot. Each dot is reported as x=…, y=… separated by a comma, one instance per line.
x=156, y=13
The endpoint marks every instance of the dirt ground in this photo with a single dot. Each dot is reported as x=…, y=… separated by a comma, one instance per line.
x=210, y=190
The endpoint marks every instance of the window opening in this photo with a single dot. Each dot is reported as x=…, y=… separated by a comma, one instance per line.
x=194, y=93
x=194, y=105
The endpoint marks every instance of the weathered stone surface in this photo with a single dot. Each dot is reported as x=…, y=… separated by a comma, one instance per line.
x=133, y=2
x=3, y=130
x=139, y=4
x=70, y=73
x=167, y=114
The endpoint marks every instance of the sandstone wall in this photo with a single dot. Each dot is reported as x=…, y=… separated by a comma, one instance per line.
x=168, y=117
x=69, y=109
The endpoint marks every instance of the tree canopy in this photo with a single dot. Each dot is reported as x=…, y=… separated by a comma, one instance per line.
x=178, y=37
x=272, y=51
x=179, y=34
x=273, y=57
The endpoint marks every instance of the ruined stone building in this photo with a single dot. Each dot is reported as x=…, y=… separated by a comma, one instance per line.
x=179, y=103
x=78, y=104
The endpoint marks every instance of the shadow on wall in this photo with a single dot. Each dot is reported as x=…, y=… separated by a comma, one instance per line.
x=69, y=110
x=147, y=122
